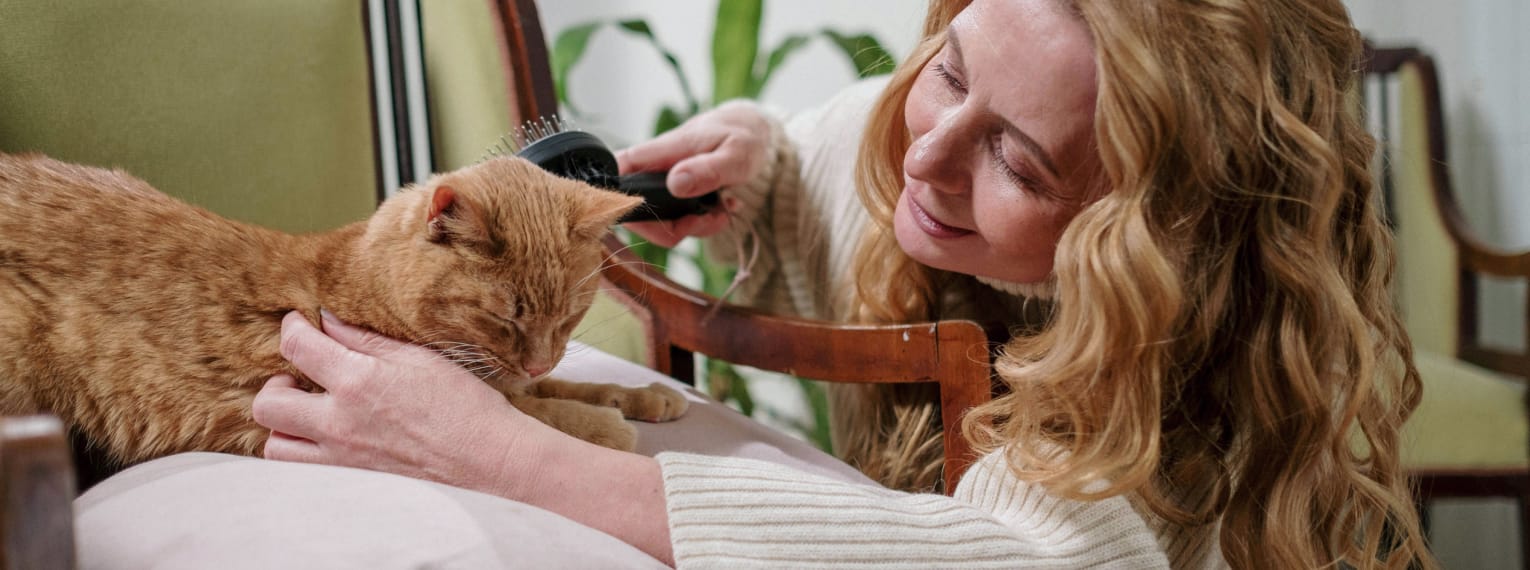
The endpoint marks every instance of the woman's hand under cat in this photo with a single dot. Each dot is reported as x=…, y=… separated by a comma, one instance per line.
x=395, y=407
x=387, y=406
x=724, y=147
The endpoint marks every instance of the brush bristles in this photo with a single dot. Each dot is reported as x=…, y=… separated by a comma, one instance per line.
x=529, y=132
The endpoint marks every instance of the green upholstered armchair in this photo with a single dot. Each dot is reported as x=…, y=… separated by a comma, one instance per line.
x=1470, y=436
x=265, y=112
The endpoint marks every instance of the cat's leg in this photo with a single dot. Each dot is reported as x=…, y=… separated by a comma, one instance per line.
x=598, y=425
x=652, y=403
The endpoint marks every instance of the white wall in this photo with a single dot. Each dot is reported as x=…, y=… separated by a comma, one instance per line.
x=1484, y=59
x=1484, y=62
x=615, y=58
x=1483, y=55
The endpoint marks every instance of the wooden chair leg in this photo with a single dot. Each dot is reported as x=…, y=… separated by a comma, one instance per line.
x=36, y=495
x=1524, y=531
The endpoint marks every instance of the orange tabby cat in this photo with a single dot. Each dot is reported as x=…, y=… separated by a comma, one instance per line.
x=148, y=324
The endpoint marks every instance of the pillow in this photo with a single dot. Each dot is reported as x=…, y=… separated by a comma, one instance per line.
x=205, y=510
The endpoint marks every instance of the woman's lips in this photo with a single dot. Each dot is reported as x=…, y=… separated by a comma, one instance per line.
x=932, y=226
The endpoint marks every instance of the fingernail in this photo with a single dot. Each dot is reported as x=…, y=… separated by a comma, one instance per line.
x=680, y=183
x=329, y=318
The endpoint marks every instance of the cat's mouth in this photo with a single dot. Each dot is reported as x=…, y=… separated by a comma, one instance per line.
x=510, y=381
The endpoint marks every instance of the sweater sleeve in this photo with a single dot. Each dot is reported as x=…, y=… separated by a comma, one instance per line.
x=801, y=212
x=737, y=513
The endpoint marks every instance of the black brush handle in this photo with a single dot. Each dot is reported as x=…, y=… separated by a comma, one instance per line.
x=658, y=202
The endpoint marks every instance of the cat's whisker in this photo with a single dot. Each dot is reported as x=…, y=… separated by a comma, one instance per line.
x=623, y=248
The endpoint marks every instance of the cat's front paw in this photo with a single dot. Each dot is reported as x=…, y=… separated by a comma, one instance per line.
x=610, y=432
x=652, y=403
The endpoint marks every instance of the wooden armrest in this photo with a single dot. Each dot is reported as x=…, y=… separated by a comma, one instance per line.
x=37, y=487
x=1490, y=261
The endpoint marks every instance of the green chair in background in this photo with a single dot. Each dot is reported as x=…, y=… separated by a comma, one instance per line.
x=1470, y=437
x=259, y=111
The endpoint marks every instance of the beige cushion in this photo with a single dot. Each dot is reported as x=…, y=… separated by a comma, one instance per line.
x=203, y=510
x=1469, y=418
x=1426, y=256
x=220, y=511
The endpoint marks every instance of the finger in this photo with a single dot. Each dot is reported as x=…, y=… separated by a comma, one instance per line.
x=284, y=447
x=733, y=160
x=662, y=152
x=282, y=406
x=703, y=225
x=361, y=340
x=662, y=234
x=320, y=358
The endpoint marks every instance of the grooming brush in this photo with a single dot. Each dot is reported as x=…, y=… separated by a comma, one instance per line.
x=563, y=150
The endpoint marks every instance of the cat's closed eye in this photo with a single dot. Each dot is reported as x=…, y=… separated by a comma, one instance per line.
x=509, y=323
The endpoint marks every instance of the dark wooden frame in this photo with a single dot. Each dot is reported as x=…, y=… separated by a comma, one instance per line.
x=1474, y=259
x=37, y=487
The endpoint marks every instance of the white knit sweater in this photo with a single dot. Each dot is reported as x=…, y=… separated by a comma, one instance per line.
x=736, y=513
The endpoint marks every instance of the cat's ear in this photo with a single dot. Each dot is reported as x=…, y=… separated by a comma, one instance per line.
x=600, y=211
x=448, y=218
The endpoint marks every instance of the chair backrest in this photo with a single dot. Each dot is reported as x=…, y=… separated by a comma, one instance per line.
x=486, y=72
x=260, y=111
x=681, y=322
x=1440, y=260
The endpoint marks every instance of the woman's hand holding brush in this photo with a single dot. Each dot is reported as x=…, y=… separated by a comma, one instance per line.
x=724, y=147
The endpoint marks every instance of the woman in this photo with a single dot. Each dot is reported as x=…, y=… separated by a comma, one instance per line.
x=1220, y=382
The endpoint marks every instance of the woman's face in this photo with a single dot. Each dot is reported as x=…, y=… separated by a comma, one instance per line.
x=1003, y=152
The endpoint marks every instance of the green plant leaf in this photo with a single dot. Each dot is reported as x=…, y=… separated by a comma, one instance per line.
x=715, y=277
x=668, y=119
x=567, y=50
x=864, y=51
x=735, y=44
x=641, y=28
x=645, y=250
x=778, y=55
x=736, y=387
x=818, y=401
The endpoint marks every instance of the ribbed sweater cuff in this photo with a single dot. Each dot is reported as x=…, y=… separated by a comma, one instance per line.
x=738, y=513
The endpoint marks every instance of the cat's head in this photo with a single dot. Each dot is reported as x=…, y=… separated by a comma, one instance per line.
x=495, y=263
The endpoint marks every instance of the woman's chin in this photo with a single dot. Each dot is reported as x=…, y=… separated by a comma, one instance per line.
x=920, y=246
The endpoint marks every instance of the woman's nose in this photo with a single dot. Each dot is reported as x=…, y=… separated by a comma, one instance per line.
x=940, y=157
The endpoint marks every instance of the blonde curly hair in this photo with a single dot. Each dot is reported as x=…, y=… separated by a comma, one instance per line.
x=1223, y=344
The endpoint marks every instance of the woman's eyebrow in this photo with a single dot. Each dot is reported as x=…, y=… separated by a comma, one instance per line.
x=1013, y=131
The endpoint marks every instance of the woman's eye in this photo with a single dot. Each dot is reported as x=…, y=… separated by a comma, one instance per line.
x=950, y=78
x=1016, y=176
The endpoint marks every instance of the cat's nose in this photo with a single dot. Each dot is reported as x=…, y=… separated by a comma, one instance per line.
x=537, y=369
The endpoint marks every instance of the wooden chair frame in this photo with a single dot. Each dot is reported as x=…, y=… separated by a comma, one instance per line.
x=1474, y=259
x=680, y=322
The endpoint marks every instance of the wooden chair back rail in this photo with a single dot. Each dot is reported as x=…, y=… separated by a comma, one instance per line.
x=528, y=72
x=953, y=354
x=1475, y=258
